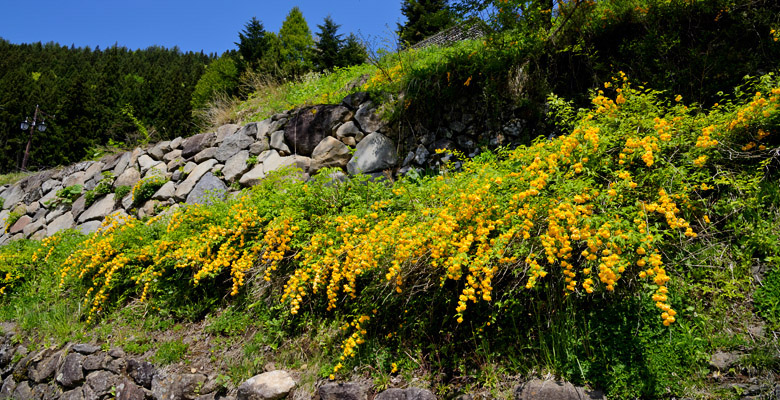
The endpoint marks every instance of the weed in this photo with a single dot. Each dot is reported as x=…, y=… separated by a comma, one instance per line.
x=170, y=352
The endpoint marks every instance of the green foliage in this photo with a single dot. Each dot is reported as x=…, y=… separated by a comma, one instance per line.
x=2, y=199
x=297, y=45
x=170, y=352
x=13, y=216
x=423, y=18
x=145, y=188
x=66, y=196
x=103, y=187
x=86, y=88
x=230, y=322
x=767, y=297
x=122, y=191
x=221, y=77
x=128, y=111
x=251, y=161
x=328, y=45
x=252, y=44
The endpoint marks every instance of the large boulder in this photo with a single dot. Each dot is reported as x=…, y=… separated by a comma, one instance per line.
x=376, y=152
x=267, y=386
x=310, y=125
x=99, y=383
x=225, y=131
x=13, y=195
x=159, y=150
x=20, y=224
x=330, y=152
x=142, y=372
x=207, y=188
x=129, y=177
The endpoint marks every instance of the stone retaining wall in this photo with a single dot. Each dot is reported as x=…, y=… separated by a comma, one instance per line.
x=350, y=136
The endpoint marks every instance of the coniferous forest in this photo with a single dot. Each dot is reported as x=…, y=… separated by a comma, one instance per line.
x=92, y=96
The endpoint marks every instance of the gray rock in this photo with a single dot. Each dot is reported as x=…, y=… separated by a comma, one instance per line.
x=127, y=390
x=45, y=391
x=100, y=209
x=208, y=187
x=34, y=227
x=234, y=143
x=78, y=206
x=259, y=146
x=343, y=391
x=375, y=153
x=266, y=386
x=77, y=178
x=129, y=177
x=89, y=227
x=94, y=170
x=250, y=129
x=49, y=197
x=421, y=155
x=64, y=221
x=122, y=163
x=537, y=389
x=45, y=368
x=50, y=184
x=71, y=373
x=86, y=349
x=189, y=167
x=172, y=386
x=194, y=144
x=309, y=125
x=8, y=388
x=236, y=166
x=253, y=177
x=75, y=394
x=347, y=129
x=158, y=151
x=95, y=361
x=330, y=153
x=226, y=130
x=368, y=119
x=354, y=100
x=165, y=192
x=159, y=169
x=176, y=143
x=349, y=141
x=33, y=208
x=408, y=159
x=172, y=155
x=205, y=154
x=127, y=201
x=101, y=382
x=142, y=372
x=277, y=143
x=185, y=187
x=275, y=163
x=411, y=393
x=457, y=126
x=264, y=128
x=20, y=224
x=722, y=361
x=23, y=391
x=13, y=195
x=148, y=209
x=117, y=366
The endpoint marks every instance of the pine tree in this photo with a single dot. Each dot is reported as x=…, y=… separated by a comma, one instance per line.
x=352, y=52
x=423, y=18
x=329, y=45
x=297, y=44
x=252, y=43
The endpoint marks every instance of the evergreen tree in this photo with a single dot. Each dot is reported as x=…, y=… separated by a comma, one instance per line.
x=329, y=45
x=297, y=44
x=423, y=18
x=252, y=43
x=352, y=52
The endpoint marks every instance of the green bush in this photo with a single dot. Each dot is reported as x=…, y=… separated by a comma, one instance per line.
x=145, y=188
x=66, y=196
x=122, y=191
x=767, y=297
x=103, y=188
x=170, y=352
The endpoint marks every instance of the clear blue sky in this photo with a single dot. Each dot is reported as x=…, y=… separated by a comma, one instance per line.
x=193, y=25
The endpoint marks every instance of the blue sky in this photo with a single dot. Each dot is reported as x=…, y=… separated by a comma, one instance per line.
x=193, y=25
